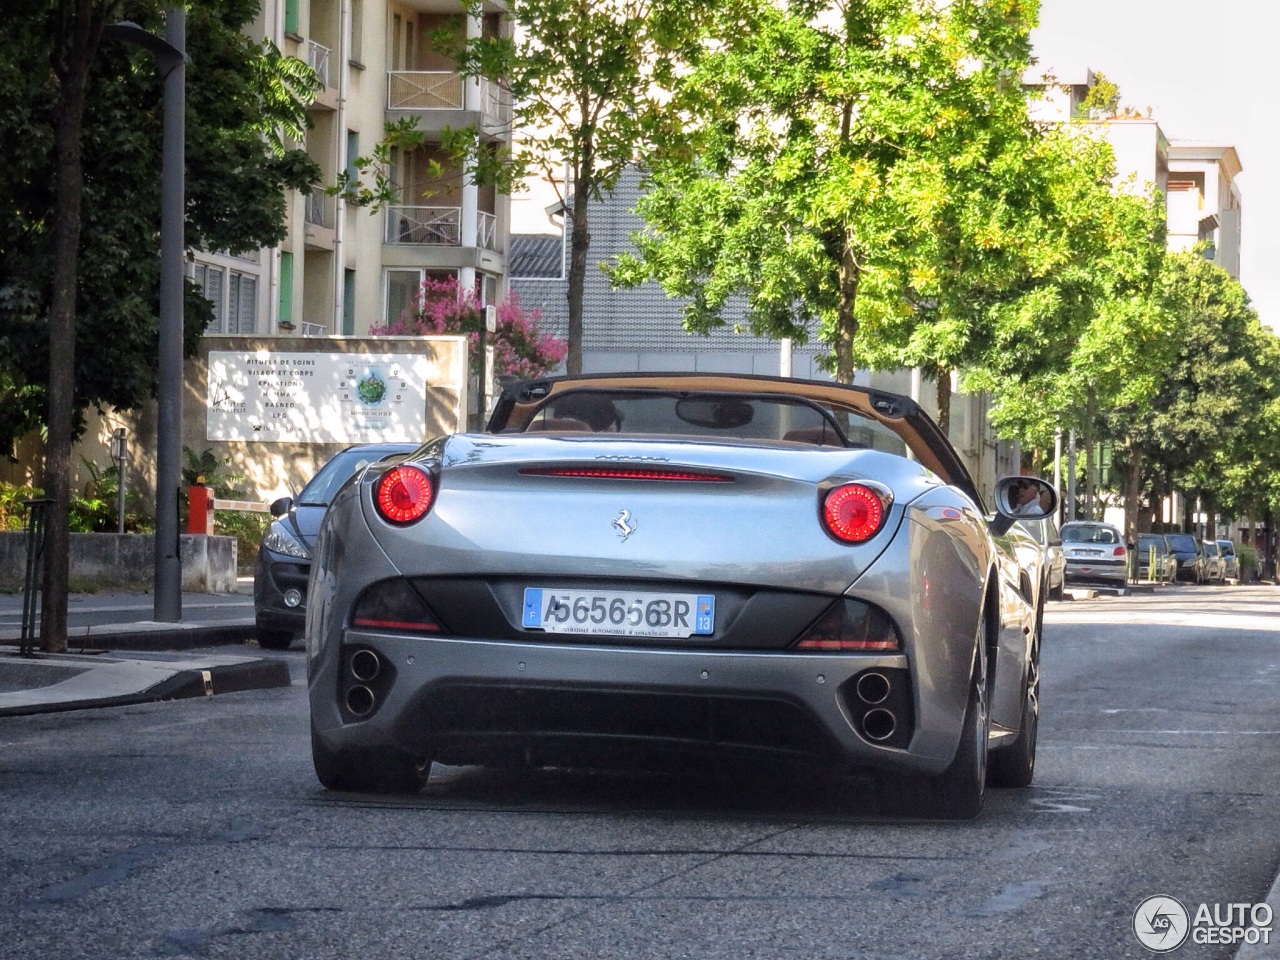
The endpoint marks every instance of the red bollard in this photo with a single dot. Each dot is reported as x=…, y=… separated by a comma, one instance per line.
x=199, y=509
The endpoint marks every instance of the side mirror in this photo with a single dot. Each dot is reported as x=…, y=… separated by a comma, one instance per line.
x=1022, y=498
x=280, y=507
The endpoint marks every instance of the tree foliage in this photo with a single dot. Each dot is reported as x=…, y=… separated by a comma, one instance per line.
x=591, y=84
x=243, y=99
x=847, y=157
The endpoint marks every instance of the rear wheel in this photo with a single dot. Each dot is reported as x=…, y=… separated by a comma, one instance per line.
x=1015, y=765
x=962, y=784
x=373, y=770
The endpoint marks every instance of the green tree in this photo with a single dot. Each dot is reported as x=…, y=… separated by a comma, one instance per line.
x=1217, y=391
x=591, y=84
x=77, y=250
x=846, y=156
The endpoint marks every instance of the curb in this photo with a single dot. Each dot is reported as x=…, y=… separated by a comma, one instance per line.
x=179, y=685
x=153, y=635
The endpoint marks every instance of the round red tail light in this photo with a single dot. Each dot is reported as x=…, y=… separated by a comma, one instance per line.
x=853, y=513
x=403, y=494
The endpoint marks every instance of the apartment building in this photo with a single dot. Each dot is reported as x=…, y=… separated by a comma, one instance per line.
x=1204, y=200
x=1197, y=179
x=344, y=269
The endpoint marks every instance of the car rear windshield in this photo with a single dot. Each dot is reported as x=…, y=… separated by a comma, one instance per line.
x=1183, y=542
x=728, y=415
x=1146, y=543
x=1090, y=535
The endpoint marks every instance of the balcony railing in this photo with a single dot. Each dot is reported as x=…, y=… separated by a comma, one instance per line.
x=318, y=58
x=313, y=329
x=431, y=226
x=317, y=210
x=486, y=231
x=425, y=90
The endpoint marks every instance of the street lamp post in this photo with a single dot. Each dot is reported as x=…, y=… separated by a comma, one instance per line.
x=171, y=59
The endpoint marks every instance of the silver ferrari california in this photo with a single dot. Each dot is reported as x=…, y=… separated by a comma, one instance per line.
x=666, y=570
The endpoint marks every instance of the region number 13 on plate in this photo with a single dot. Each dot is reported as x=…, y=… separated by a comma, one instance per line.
x=614, y=613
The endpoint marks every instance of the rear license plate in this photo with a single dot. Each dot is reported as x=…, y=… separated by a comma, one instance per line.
x=619, y=613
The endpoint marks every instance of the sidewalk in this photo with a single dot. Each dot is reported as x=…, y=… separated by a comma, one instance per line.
x=117, y=654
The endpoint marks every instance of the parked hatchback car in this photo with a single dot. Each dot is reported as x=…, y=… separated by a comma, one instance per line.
x=1230, y=561
x=680, y=570
x=1153, y=559
x=1096, y=555
x=284, y=556
x=1190, y=556
x=1214, y=565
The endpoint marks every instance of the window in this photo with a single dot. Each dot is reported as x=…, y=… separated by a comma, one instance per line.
x=402, y=288
x=286, y=287
x=349, y=303
x=353, y=154
x=242, y=303
x=357, y=22
x=233, y=294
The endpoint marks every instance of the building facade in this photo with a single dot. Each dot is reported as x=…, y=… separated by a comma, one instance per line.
x=345, y=269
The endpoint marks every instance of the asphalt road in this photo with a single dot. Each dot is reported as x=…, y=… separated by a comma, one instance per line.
x=196, y=829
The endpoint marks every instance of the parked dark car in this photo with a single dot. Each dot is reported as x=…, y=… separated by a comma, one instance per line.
x=1190, y=554
x=1096, y=555
x=284, y=556
x=1153, y=559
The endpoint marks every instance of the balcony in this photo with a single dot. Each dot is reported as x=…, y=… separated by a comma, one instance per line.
x=433, y=91
x=425, y=226
x=425, y=90
x=319, y=210
x=318, y=221
x=318, y=59
x=439, y=227
x=487, y=231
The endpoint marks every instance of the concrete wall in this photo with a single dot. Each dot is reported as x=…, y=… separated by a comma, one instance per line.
x=208, y=562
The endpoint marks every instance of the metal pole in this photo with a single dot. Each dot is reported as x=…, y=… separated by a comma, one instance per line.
x=784, y=357
x=1057, y=462
x=168, y=569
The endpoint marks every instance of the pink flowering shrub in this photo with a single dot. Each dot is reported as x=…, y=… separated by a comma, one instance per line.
x=520, y=349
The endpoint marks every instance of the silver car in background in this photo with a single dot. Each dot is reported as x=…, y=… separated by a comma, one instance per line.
x=680, y=571
x=1230, y=561
x=1096, y=555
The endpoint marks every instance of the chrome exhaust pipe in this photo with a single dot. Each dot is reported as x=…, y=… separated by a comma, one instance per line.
x=879, y=724
x=365, y=665
x=361, y=701
x=873, y=688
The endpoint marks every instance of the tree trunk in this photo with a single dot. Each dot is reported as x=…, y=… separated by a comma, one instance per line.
x=1132, y=494
x=70, y=59
x=846, y=312
x=580, y=243
x=943, y=395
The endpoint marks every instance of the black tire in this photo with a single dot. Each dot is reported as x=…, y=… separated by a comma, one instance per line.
x=1056, y=593
x=961, y=785
x=376, y=770
x=275, y=639
x=1015, y=765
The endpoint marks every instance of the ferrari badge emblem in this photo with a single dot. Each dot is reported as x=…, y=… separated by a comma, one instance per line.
x=625, y=525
